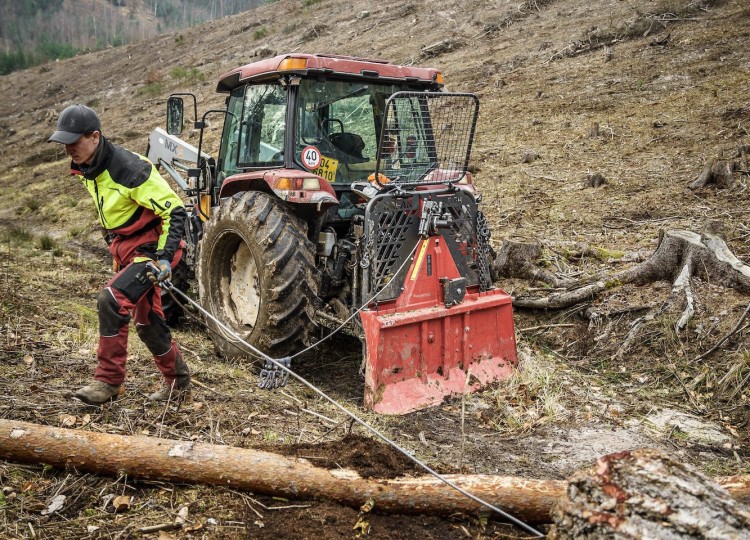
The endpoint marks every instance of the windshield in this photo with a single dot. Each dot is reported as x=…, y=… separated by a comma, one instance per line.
x=254, y=129
x=337, y=128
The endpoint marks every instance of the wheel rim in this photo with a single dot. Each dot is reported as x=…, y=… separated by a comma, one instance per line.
x=240, y=286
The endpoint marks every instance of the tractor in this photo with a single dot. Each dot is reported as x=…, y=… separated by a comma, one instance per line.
x=340, y=199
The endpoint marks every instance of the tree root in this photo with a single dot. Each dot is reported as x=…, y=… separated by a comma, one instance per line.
x=679, y=256
x=726, y=337
x=516, y=259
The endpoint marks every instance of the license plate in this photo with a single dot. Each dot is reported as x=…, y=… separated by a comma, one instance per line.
x=327, y=168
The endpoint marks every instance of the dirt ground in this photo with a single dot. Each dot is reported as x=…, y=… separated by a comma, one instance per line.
x=644, y=93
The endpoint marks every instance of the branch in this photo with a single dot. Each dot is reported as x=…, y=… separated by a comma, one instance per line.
x=726, y=337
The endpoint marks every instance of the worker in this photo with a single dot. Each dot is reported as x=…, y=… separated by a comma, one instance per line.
x=143, y=221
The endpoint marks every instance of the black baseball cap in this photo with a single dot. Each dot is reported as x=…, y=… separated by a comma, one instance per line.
x=73, y=122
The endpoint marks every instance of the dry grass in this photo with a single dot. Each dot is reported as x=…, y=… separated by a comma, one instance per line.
x=532, y=396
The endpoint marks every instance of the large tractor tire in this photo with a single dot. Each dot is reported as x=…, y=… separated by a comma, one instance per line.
x=257, y=275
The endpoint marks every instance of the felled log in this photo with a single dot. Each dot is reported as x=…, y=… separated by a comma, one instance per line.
x=267, y=473
x=647, y=494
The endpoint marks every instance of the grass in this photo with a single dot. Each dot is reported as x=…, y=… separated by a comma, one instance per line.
x=32, y=204
x=187, y=75
x=152, y=89
x=19, y=236
x=531, y=396
x=260, y=33
x=46, y=243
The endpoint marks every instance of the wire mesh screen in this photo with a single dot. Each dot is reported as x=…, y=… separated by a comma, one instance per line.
x=426, y=137
x=392, y=231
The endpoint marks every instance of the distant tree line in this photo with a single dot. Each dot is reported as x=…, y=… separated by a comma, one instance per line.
x=33, y=32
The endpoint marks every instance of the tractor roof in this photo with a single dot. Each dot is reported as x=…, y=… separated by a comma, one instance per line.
x=325, y=64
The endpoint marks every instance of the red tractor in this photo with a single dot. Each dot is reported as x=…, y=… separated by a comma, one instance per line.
x=340, y=198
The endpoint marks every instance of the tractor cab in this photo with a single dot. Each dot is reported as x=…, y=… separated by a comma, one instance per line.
x=322, y=116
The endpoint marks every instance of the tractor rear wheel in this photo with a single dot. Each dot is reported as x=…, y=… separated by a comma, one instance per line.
x=257, y=275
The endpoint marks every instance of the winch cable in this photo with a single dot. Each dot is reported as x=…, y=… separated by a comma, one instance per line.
x=172, y=289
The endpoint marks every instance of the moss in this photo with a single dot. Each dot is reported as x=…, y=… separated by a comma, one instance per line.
x=604, y=254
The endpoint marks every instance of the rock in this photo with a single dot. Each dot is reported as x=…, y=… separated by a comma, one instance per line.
x=689, y=428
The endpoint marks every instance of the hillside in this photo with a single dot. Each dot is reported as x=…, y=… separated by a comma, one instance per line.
x=646, y=93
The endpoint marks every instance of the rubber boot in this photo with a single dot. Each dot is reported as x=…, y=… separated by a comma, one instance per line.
x=178, y=388
x=99, y=392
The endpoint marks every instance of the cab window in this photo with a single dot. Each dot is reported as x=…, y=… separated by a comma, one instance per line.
x=341, y=120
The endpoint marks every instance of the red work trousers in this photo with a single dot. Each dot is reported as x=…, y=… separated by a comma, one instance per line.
x=130, y=295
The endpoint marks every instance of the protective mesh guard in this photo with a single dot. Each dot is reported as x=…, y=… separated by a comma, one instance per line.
x=426, y=137
x=391, y=232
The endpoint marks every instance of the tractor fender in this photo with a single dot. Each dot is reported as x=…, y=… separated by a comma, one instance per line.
x=290, y=185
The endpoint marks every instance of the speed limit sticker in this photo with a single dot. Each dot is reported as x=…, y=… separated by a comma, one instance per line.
x=311, y=157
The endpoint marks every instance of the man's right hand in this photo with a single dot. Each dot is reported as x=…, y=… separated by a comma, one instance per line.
x=161, y=271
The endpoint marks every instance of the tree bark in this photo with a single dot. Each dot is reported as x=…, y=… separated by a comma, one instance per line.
x=267, y=473
x=647, y=494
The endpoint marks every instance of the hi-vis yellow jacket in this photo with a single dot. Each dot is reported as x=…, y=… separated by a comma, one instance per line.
x=142, y=214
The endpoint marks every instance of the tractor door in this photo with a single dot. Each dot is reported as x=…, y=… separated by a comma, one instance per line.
x=254, y=130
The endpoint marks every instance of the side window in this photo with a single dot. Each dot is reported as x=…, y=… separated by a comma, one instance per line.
x=262, y=126
x=230, y=136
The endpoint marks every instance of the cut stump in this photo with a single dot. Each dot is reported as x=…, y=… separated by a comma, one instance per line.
x=647, y=494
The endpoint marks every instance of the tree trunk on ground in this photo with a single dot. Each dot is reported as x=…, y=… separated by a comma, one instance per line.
x=268, y=473
x=647, y=494
x=272, y=474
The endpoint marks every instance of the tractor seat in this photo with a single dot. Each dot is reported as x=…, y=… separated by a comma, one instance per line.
x=349, y=143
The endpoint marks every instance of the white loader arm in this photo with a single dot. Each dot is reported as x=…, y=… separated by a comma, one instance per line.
x=173, y=153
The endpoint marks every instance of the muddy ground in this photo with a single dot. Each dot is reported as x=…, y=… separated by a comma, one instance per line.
x=667, y=84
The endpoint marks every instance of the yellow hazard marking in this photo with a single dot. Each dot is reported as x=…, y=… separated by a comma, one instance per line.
x=420, y=257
